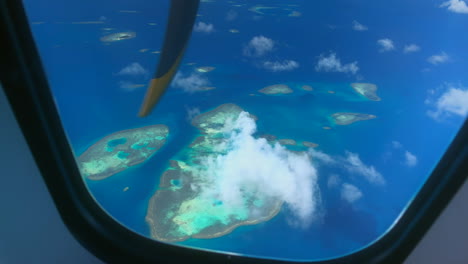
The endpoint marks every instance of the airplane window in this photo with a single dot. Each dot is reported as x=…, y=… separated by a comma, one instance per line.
x=293, y=130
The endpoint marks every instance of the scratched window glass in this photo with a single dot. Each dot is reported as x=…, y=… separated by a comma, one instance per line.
x=295, y=130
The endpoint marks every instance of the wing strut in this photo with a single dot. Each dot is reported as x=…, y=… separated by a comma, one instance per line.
x=179, y=28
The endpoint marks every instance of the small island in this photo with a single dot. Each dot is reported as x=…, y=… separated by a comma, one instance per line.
x=182, y=209
x=307, y=88
x=212, y=122
x=206, y=88
x=287, y=142
x=120, y=150
x=261, y=9
x=131, y=86
x=276, y=89
x=367, y=90
x=118, y=36
x=309, y=144
x=349, y=118
x=268, y=137
x=205, y=69
x=295, y=14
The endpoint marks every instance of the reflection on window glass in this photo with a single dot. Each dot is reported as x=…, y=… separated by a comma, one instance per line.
x=292, y=130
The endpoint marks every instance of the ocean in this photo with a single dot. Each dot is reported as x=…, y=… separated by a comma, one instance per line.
x=89, y=91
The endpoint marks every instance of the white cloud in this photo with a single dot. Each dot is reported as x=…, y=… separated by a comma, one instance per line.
x=203, y=27
x=396, y=144
x=411, y=48
x=410, y=159
x=350, y=193
x=252, y=166
x=452, y=101
x=333, y=64
x=192, y=112
x=190, y=83
x=277, y=66
x=385, y=45
x=351, y=163
x=438, y=58
x=322, y=157
x=358, y=26
x=231, y=15
x=259, y=46
x=133, y=69
x=355, y=165
x=456, y=6
x=333, y=181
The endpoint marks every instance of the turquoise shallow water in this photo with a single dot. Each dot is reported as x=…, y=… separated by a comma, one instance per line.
x=83, y=73
x=299, y=116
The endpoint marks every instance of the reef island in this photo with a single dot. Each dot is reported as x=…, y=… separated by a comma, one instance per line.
x=120, y=150
x=309, y=144
x=349, y=118
x=205, y=69
x=276, y=89
x=118, y=36
x=368, y=90
x=287, y=142
x=188, y=204
x=307, y=88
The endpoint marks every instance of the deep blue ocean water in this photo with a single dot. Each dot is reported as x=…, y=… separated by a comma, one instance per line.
x=83, y=73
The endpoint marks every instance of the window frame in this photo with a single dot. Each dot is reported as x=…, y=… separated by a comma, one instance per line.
x=25, y=84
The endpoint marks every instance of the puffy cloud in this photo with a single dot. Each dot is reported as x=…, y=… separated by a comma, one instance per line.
x=355, y=165
x=456, y=6
x=231, y=15
x=358, y=26
x=438, y=58
x=134, y=69
x=385, y=45
x=333, y=181
x=192, y=112
x=322, y=157
x=396, y=144
x=452, y=101
x=203, y=27
x=190, y=83
x=351, y=163
x=259, y=46
x=411, y=48
x=410, y=159
x=350, y=193
x=277, y=66
x=252, y=165
x=333, y=64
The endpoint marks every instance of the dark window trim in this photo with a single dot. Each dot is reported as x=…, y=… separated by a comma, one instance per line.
x=27, y=90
